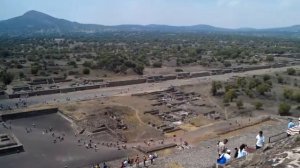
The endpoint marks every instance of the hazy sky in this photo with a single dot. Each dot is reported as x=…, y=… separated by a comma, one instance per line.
x=223, y=13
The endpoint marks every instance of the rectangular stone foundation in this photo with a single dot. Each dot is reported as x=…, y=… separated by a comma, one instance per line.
x=9, y=144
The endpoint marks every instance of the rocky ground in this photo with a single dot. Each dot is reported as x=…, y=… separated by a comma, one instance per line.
x=282, y=154
x=204, y=155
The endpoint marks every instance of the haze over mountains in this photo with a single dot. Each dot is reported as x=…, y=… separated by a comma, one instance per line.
x=37, y=23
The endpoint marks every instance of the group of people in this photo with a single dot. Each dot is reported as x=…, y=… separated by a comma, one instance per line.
x=137, y=160
x=224, y=154
x=293, y=128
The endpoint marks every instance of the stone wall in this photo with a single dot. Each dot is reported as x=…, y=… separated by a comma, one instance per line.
x=199, y=74
x=170, y=77
x=126, y=82
x=251, y=68
x=23, y=114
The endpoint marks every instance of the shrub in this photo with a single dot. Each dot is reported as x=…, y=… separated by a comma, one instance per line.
x=227, y=64
x=215, y=86
x=291, y=71
x=157, y=65
x=266, y=77
x=6, y=77
x=178, y=70
x=262, y=88
x=86, y=71
x=139, y=69
x=280, y=79
x=284, y=109
x=239, y=104
x=258, y=105
x=21, y=75
x=34, y=70
x=87, y=64
x=269, y=58
x=296, y=97
x=288, y=93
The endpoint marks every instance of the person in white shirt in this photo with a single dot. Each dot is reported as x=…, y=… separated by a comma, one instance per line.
x=260, y=140
x=242, y=151
x=222, y=147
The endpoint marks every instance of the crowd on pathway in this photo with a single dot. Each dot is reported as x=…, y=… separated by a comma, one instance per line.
x=224, y=154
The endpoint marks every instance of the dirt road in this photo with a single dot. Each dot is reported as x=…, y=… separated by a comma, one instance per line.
x=131, y=89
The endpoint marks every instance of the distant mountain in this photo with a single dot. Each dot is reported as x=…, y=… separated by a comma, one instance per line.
x=33, y=22
x=37, y=23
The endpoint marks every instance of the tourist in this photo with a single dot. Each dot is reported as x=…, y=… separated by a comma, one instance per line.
x=123, y=165
x=291, y=124
x=224, y=158
x=137, y=160
x=242, y=151
x=151, y=158
x=125, y=162
x=236, y=152
x=104, y=165
x=222, y=146
x=145, y=159
x=260, y=140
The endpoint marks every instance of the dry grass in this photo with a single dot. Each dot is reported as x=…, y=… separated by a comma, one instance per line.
x=200, y=121
x=188, y=127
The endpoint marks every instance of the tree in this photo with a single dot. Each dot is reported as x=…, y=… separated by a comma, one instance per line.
x=21, y=75
x=241, y=82
x=280, y=79
x=86, y=71
x=34, y=70
x=227, y=63
x=262, y=88
x=215, y=86
x=288, y=93
x=157, y=65
x=6, y=77
x=266, y=77
x=239, y=104
x=270, y=58
x=87, y=64
x=139, y=69
x=258, y=105
x=296, y=97
x=291, y=71
x=284, y=109
x=72, y=63
x=230, y=95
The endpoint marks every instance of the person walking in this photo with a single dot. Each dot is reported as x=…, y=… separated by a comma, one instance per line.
x=260, y=140
x=137, y=161
x=145, y=159
x=151, y=158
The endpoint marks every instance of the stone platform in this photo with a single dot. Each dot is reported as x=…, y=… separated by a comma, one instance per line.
x=9, y=143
